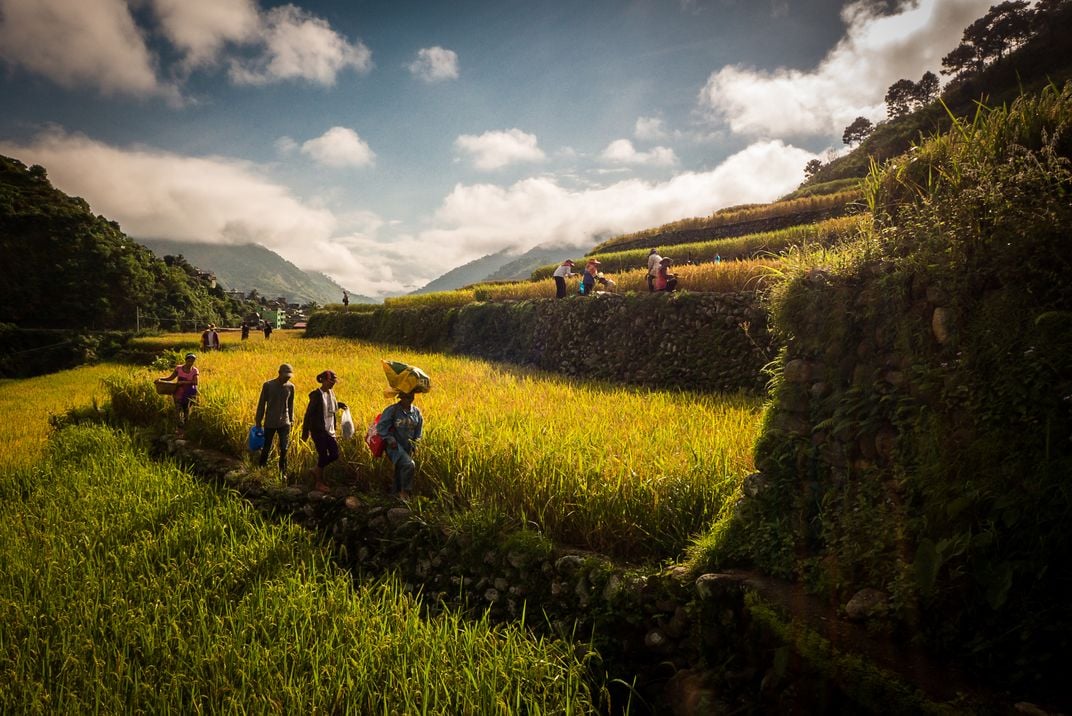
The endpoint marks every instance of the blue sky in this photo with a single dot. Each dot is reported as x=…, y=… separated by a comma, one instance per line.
x=385, y=143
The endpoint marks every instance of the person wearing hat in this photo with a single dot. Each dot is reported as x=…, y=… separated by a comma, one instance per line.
x=186, y=393
x=275, y=414
x=401, y=426
x=564, y=271
x=589, y=278
x=664, y=280
x=319, y=423
x=653, y=268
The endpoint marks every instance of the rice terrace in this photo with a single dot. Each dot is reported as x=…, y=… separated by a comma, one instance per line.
x=804, y=454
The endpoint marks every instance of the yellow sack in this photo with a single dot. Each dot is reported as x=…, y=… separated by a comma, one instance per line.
x=405, y=378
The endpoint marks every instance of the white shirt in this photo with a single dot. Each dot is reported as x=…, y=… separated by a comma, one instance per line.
x=563, y=271
x=653, y=264
x=330, y=406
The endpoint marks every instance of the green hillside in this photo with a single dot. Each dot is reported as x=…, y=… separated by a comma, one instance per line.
x=73, y=270
x=250, y=267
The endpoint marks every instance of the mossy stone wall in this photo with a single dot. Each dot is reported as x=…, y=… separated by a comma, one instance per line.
x=694, y=341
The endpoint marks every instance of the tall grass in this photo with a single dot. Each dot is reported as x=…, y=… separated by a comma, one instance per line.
x=128, y=587
x=632, y=472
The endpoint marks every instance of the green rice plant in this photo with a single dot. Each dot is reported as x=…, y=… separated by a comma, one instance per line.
x=737, y=215
x=632, y=472
x=130, y=587
x=764, y=244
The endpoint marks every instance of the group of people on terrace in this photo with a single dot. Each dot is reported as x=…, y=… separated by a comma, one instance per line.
x=400, y=425
x=659, y=277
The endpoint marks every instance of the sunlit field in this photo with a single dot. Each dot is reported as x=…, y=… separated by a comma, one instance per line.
x=728, y=276
x=631, y=472
x=25, y=406
x=130, y=587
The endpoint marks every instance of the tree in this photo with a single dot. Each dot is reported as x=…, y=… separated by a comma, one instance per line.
x=900, y=98
x=1004, y=27
x=960, y=60
x=926, y=89
x=812, y=168
x=857, y=131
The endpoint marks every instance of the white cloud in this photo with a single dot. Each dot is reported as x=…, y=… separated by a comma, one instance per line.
x=285, y=145
x=434, y=64
x=159, y=194
x=850, y=81
x=339, y=147
x=298, y=45
x=622, y=151
x=219, y=200
x=479, y=219
x=201, y=28
x=90, y=43
x=493, y=150
x=649, y=129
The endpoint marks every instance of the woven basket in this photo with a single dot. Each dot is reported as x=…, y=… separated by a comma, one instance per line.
x=164, y=387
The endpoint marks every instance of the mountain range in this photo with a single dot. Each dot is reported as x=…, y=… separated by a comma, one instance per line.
x=501, y=266
x=251, y=266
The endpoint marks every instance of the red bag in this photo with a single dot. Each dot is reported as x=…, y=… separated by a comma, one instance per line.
x=373, y=439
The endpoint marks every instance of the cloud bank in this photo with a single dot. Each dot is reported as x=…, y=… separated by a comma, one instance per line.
x=339, y=147
x=622, y=151
x=876, y=51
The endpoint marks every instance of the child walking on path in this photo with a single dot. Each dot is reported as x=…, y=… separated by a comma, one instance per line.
x=401, y=426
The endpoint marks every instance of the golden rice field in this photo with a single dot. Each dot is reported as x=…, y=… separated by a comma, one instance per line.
x=27, y=404
x=631, y=472
x=725, y=277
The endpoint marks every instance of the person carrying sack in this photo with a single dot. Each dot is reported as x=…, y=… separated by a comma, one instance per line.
x=400, y=426
x=319, y=423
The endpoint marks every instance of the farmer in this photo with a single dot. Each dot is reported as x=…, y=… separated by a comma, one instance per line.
x=664, y=280
x=186, y=392
x=319, y=422
x=400, y=426
x=564, y=271
x=653, y=268
x=275, y=413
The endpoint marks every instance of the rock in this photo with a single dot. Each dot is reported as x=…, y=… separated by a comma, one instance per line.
x=690, y=693
x=398, y=515
x=942, y=325
x=754, y=485
x=867, y=603
x=491, y=595
x=352, y=503
x=711, y=586
x=797, y=371
x=501, y=584
x=612, y=588
x=656, y=640
x=568, y=564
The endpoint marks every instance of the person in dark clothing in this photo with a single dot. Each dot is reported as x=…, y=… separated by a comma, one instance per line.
x=245, y=330
x=319, y=423
x=267, y=330
x=564, y=271
x=275, y=413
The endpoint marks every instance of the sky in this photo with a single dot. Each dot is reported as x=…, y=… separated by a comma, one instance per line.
x=387, y=142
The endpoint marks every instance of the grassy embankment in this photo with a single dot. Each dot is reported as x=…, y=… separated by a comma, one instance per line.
x=128, y=586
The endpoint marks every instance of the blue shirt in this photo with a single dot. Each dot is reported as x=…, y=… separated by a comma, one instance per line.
x=407, y=425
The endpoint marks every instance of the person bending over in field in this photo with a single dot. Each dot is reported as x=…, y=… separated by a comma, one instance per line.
x=186, y=392
x=319, y=422
x=665, y=281
x=275, y=411
x=401, y=426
